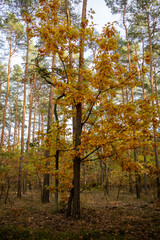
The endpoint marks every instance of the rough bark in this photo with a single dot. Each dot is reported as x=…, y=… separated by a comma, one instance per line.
x=69, y=207
x=78, y=130
x=56, y=161
x=45, y=195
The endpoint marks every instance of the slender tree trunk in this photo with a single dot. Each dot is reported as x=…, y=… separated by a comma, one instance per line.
x=102, y=173
x=9, y=127
x=23, y=120
x=35, y=105
x=29, y=136
x=18, y=140
x=129, y=60
x=42, y=114
x=152, y=91
x=106, y=186
x=34, y=119
x=70, y=201
x=39, y=121
x=156, y=87
x=16, y=113
x=0, y=87
x=130, y=183
x=143, y=91
x=7, y=93
x=30, y=117
x=45, y=195
x=56, y=161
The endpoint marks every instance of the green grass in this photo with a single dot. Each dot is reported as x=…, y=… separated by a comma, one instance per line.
x=12, y=233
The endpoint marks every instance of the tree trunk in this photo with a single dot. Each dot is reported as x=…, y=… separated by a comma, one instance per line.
x=106, y=186
x=130, y=183
x=56, y=160
x=35, y=104
x=143, y=91
x=16, y=113
x=9, y=125
x=7, y=93
x=152, y=90
x=70, y=201
x=28, y=138
x=78, y=130
x=0, y=88
x=102, y=173
x=23, y=120
x=45, y=195
x=30, y=117
x=18, y=140
x=42, y=114
x=56, y=181
x=129, y=60
x=39, y=121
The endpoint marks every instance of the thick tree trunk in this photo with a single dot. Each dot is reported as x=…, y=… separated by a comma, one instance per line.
x=78, y=130
x=56, y=181
x=70, y=201
x=76, y=164
x=56, y=161
x=45, y=195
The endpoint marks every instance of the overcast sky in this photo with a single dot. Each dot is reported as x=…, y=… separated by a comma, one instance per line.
x=101, y=17
x=102, y=13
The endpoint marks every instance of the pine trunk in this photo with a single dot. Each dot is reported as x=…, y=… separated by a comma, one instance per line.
x=30, y=117
x=132, y=96
x=152, y=91
x=23, y=121
x=7, y=93
x=16, y=113
x=9, y=127
x=35, y=105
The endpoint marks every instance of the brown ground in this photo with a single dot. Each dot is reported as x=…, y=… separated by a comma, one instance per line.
x=127, y=216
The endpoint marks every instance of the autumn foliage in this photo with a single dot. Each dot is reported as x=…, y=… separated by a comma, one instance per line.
x=113, y=126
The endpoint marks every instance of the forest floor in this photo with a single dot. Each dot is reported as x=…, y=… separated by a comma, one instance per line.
x=102, y=217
